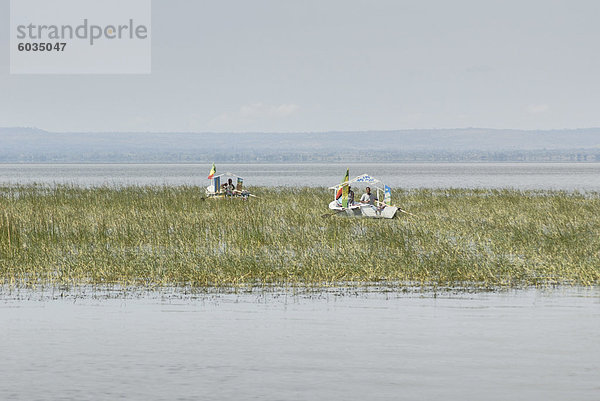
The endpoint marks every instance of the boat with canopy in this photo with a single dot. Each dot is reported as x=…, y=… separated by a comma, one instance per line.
x=226, y=186
x=344, y=206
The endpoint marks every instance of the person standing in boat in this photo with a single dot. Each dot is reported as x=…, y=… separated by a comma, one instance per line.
x=368, y=197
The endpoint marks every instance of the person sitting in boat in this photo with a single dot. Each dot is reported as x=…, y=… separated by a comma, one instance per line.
x=368, y=197
x=229, y=188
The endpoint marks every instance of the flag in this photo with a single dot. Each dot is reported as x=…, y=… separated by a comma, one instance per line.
x=345, y=189
x=387, y=197
x=340, y=190
x=213, y=170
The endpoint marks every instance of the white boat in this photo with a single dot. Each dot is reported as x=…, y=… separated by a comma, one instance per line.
x=379, y=210
x=226, y=186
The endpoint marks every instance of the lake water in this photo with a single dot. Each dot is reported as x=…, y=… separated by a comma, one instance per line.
x=565, y=176
x=522, y=344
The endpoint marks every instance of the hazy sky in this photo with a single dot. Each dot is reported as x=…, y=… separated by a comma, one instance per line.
x=304, y=65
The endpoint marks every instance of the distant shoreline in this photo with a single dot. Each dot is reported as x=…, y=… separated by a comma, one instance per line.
x=32, y=145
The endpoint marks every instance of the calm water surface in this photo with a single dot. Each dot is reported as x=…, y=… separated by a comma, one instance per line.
x=566, y=176
x=524, y=345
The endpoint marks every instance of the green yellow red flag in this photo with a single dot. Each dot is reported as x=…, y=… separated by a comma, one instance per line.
x=345, y=189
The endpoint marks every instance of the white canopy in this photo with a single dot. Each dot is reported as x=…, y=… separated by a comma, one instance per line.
x=226, y=175
x=363, y=179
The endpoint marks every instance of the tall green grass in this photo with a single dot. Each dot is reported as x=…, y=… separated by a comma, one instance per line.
x=170, y=236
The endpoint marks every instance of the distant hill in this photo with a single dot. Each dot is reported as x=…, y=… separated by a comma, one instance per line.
x=36, y=145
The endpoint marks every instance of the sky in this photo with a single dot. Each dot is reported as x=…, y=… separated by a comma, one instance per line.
x=329, y=65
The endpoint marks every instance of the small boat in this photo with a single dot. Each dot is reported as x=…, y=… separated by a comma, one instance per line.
x=222, y=186
x=345, y=207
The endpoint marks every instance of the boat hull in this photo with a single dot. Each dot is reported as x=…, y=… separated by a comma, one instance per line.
x=224, y=196
x=365, y=211
x=236, y=194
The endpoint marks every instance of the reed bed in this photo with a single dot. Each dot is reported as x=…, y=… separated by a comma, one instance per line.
x=169, y=236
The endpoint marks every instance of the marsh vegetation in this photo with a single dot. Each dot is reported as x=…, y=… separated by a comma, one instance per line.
x=170, y=236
